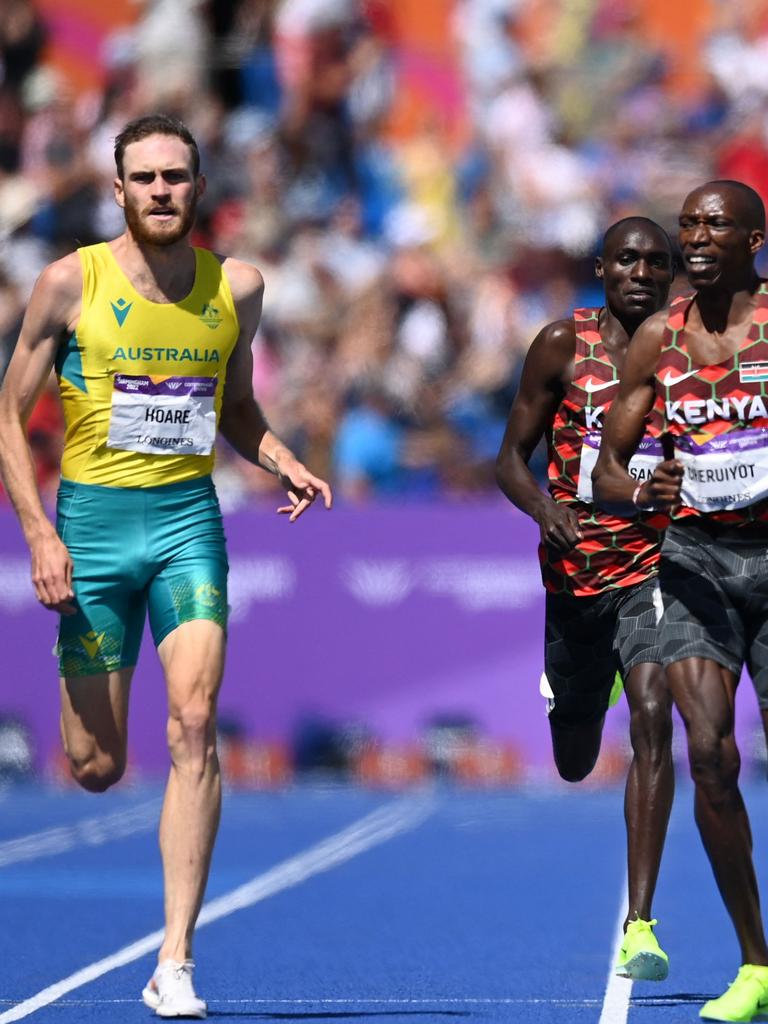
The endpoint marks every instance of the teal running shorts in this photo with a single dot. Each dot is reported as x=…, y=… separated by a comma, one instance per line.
x=138, y=549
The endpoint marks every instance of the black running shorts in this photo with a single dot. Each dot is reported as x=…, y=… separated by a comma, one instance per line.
x=714, y=584
x=589, y=639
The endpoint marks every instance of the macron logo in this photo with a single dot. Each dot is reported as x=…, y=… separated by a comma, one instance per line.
x=92, y=642
x=121, y=309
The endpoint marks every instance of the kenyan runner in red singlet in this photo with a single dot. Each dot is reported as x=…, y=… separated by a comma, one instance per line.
x=613, y=551
x=600, y=569
x=717, y=417
x=701, y=372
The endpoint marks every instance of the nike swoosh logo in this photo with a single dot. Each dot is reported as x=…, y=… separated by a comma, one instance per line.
x=671, y=380
x=591, y=386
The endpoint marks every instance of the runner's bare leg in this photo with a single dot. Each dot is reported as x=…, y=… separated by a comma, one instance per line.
x=193, y=660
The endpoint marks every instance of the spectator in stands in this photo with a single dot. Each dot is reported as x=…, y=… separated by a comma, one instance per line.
x=416, y=220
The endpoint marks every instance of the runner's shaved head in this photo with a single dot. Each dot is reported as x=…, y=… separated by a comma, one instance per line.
x=617, y=232
x=747, y=203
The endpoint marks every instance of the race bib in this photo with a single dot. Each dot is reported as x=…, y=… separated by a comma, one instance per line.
x=163, y=415
x=641, y=466
x=725, y=472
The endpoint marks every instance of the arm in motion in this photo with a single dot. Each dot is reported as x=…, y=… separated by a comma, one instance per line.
x=614, y=487
x=545, y=378
x=242, y=422
x=52, y=311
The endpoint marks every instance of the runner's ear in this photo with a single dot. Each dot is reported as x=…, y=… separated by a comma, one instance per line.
x=756, y=240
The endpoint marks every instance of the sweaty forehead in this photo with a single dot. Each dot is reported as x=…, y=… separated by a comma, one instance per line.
x=637, y=237
x=709, y=201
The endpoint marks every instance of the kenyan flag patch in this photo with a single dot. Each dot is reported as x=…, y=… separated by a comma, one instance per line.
x=753, y=372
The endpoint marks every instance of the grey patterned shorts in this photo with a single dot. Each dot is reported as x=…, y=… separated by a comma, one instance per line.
x=588, y=639
x=714, y=585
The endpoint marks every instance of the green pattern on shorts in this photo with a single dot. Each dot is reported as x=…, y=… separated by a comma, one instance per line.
x=198, y=598
x=88, y=653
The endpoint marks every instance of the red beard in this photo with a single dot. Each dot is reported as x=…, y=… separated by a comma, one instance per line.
x=146, y=231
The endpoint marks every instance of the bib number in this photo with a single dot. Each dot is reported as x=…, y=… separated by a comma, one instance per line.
x=163, y=416
x=641, y=466
x=725, y=472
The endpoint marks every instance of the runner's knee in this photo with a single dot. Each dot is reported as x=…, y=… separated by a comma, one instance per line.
x=97, y=770
x=192, y=733
x=575, y=747
x=650, y=725
x=714, y=761
x=576, y=769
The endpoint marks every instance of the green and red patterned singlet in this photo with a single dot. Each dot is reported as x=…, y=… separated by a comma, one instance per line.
x=613, y=552
x=718, y=419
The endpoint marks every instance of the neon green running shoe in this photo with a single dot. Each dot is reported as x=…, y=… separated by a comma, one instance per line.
x=616, y=690
x=745, y=1000
x=641, y=957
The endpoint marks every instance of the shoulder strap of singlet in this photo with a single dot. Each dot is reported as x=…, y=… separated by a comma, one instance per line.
x=92, y=261
x=676, y=318
x=585, y=320
x=209, y=265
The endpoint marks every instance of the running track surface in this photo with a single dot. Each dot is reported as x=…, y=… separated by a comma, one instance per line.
x=333, y=903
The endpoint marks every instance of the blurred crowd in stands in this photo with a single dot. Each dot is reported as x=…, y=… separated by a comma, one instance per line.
x=407, y=269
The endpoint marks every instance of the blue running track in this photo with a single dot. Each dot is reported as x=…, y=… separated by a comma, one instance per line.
x=333, y=903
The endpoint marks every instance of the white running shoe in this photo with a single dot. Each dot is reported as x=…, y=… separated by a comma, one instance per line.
x=169, y=991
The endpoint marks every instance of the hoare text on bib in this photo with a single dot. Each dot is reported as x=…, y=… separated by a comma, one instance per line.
x=163, y=415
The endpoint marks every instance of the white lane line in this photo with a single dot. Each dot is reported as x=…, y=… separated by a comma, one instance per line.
x=618, y=990
x=383, y=824
x=361, y=1001
x=87, y=832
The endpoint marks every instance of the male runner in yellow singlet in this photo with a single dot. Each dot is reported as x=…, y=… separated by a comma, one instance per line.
x=151, y=340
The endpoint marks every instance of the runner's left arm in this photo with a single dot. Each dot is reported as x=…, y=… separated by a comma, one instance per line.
x=613, y=485
x=242, y=422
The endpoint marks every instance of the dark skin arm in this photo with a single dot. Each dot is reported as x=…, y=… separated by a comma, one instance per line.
x=624, y=428
x=546, y=375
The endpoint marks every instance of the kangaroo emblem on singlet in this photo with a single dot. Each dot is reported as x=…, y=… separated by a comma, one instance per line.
x=210, y=316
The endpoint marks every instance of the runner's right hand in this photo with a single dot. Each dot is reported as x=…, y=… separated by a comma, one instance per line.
x=52, y=574
x=662, y=490
x=559, y=526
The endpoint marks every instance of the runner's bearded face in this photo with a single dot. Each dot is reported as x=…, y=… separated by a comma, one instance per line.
x=715, y=239
x=637, y=272
x=159, y=192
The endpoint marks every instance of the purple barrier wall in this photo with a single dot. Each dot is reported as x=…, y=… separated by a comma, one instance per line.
x=385, y=615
